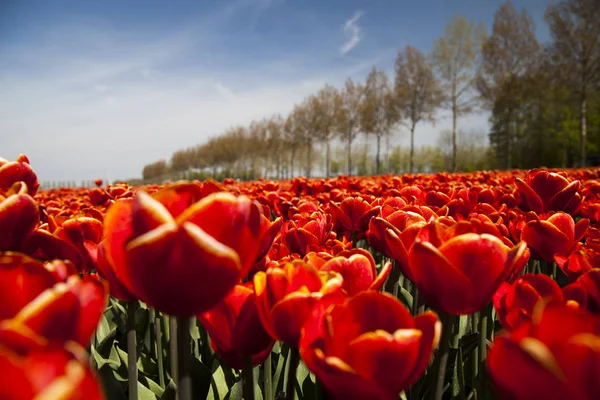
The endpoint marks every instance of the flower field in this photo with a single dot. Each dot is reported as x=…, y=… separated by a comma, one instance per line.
x=466, y=286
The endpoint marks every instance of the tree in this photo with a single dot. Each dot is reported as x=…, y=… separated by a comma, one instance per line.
x=417, y=91
x=575, y=29
x=456, y=59
x=378, y=112
x=326, y=119
x=347, y=116
x=508, y=55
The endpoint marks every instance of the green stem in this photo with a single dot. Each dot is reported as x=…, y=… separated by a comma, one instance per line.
x=268, y=378
x=173, y=348
x=159, y=349
x=248, y=376
x=184, y=356
x=482, y=340
x=132, y=350
x=290, y=383
x=442, y=356
x=415, y=296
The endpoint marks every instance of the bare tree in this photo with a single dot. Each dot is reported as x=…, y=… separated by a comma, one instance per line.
x=417, y=91
x=325, y=107
x=377, y=113
x=347, y=116
x=575, y=29
x=456, y=60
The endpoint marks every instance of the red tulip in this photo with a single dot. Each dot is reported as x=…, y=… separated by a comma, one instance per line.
x=460, y=274
x=286, y=296
x=235, y=329
x=185, y=265
x=22, y=279
x=19, y=215
x=65, y=312
x=358, y=270
x=554, y=356
x=555, y=236
x=18, y=171
x=580, y=261
x=305, y=231
x=586, y=290
x=353, y=214
x=395, y=235
x=47, y=373
x=514, y=303
x=368, y=348
x=545, y=191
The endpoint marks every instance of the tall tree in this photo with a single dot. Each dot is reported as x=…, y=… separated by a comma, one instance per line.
x=508, y=55
x=347, y=116
x=377, y=113
x=417, y=91
x=575, y=29
x=456, y=59
x=326, y=124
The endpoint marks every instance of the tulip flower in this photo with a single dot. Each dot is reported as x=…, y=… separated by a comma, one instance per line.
x=586, y=290
x=286, y=297
x=182, y=266
x=554, y=356
x=514, y=303
x=235, y=329
x=47, y=373
x=581, y=260
x=305, y=231
x=67, y=311
x=395, y=235
x=18, y=171
x=19, y=216
x=460, y=274
x=545, y=191
x=369, y=347
x=22, y=279
x=358, y=270
x=554, y=237
x=353, y=215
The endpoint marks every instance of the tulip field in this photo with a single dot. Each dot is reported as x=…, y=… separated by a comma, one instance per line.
x=444, y=286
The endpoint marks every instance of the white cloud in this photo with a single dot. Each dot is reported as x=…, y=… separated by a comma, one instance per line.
x=351, y=30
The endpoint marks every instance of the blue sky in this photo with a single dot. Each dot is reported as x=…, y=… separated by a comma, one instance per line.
x=94, y=89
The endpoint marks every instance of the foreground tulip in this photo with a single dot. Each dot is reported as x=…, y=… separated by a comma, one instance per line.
x=395, y=235
x=545, y=191
x=67, y=311
x=368, y=348
x=18, y=171
x=19, y=215
x=514, y=303
x=182, y=266
x=555, y=236
x=358, y=270
x=22, y=279
x=461, y=274
x=235, y=329
x=555, y=356
x=47, y=374
x=286, y=296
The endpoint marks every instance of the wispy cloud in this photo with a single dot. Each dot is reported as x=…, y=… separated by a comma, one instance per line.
x=352, y=31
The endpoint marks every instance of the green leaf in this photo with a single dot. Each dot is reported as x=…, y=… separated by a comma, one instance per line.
x=218, y=387
x=144, y=393
x=153, y=386
x=237, y=391
x=406, y=297
x=170, y=392
x=101, y=361
x=103, y=329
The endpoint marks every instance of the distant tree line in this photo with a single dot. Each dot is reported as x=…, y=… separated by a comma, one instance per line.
x=544, y=101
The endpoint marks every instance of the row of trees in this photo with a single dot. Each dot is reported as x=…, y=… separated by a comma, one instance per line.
x=538, y=95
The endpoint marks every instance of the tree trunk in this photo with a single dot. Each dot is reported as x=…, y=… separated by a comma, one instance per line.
x=454, y=166
x=308, y=159
x=583, y=125
x=412, y=148
x=327, y=153
x=377, y=160
x=292, y=162
x=509, y=147
x=350, y=156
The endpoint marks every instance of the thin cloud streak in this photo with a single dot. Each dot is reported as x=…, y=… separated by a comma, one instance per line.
x=352, y=29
